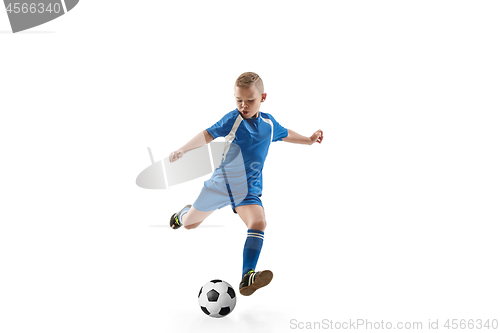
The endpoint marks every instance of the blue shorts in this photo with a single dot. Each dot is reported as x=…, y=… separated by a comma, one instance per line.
x=215, y=195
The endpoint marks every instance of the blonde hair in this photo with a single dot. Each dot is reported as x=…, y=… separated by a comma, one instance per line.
x=247, y=79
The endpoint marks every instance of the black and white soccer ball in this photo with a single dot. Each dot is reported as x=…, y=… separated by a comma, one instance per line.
x=217, y=298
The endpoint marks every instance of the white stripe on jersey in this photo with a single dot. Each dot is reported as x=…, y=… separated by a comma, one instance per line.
x=230, y=137
x=270, y=122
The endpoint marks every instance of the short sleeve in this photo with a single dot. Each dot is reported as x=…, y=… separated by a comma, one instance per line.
x=279, y=132
x=223, y=126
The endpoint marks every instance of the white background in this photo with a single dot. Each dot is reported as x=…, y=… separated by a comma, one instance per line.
x=394, y=217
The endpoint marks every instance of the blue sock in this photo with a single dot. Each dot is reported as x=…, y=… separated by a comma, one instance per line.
x=251, y=251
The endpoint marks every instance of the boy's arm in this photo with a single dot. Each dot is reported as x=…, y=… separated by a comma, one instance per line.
x=294, y=137
x=199, y=140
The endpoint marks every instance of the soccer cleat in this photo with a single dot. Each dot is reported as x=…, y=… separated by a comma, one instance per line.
x=175, y=221
x=254, y=280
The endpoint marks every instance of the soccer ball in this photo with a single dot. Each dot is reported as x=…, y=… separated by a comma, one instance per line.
x=217, y=298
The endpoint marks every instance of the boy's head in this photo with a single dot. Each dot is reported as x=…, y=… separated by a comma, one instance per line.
x=249, y=94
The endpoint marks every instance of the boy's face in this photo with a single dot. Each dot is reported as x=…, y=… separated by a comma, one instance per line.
x=248, y=101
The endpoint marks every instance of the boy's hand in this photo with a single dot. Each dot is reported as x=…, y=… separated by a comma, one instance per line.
x=317, y=137
x=175, y=155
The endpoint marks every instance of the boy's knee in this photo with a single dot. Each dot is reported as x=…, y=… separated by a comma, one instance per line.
x=259, y=225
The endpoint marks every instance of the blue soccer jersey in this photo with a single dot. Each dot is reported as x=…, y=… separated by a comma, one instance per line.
x=252, y=138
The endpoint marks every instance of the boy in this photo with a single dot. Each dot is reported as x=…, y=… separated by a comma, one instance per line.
x=238, y=181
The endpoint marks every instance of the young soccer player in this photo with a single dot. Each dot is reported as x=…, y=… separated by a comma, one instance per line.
x=248, y=134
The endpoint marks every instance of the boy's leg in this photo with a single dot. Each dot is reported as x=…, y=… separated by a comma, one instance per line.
x=253, y=216
x=189, y=217
x=255, y=220
x=209, y=200
x=194, y=217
